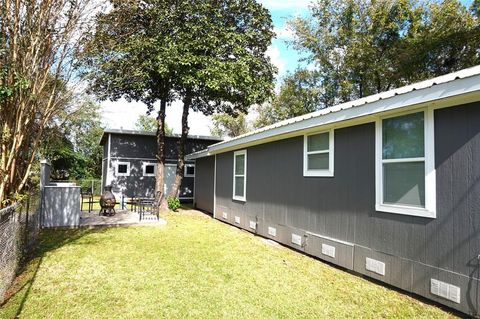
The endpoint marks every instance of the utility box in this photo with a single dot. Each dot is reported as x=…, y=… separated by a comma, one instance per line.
x=61, y=206
x=60, y=202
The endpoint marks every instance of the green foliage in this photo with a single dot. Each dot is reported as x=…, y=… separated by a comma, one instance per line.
x=173, y=203
x=216, y=54
x=364, y=47
x=300, y=93
x=209, y=54
x=149, y=124
x=72, y=143
x=229, y=125
x=475, y=8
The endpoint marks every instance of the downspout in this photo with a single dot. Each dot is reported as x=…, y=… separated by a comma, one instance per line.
x=215, y=186
x=107, y=182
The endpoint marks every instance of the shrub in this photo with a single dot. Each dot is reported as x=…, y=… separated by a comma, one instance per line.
x=173, y=203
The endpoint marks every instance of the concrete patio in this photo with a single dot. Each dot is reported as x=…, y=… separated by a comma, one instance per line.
x=121, y=218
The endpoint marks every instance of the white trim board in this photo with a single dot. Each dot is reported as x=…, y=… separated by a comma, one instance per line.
x=235, y=154
x=144, y=168
x=214, y=187
x=185, y=170
x=331, y=151
x=117, y=174
x=430, y=175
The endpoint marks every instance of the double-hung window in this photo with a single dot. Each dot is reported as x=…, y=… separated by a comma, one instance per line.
x=318, y=154
x=405, y=169
x=240, y=175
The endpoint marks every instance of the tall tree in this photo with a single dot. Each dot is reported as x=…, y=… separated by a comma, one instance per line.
x=300, y=93
x=39, y=40
x=213, y=60
x=149, y=124
x=132, y=53
x=222, y=60
x=359, y=48
x=71, y=142
x=365, y=47
x=229, y=125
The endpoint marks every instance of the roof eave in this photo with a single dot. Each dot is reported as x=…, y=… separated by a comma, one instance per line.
x=446, y=92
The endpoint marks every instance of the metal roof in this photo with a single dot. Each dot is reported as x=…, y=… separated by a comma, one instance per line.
x=445, y=86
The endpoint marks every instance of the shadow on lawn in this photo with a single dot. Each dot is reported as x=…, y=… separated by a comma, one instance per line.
x=50, y=240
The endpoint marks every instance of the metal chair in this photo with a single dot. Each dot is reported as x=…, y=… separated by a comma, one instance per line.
x=149, y=206
x=87, y=198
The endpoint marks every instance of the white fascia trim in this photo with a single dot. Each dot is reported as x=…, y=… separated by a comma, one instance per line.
x=144, y=169
x=122, y=174
x=244, y=197
x=440, y=93
x=430, y=173
x=319, y=172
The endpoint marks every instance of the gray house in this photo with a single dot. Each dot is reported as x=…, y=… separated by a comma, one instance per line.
x=387, y=186
x=129, y=162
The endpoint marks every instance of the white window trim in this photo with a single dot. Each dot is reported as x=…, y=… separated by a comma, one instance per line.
x=430, y=174
x=185, y=174
x=144, y=169
x=122, y=174
x=244, y=197
x=319, y=172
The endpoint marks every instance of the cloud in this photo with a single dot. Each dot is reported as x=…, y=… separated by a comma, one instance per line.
x=283, y=33
x=122, y=114
x=274, y=53
x=285, y=4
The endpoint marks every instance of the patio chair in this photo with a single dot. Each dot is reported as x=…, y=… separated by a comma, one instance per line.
x=133, y=202
x=87, y=198
x=149, y=206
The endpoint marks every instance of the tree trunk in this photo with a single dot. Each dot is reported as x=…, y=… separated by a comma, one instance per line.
x=187, y=101
x=160, y=176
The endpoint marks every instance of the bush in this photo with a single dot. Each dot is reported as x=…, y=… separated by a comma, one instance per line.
x=173, y=203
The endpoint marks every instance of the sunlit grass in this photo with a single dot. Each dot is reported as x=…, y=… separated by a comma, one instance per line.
x=193, y=267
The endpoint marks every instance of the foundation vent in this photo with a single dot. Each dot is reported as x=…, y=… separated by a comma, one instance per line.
x=253, y=224
x=297, y=239
x=225, y=215
x=237, y=219
x=272, y=231
x=328, y=250
x=444, y=290
x=375, y=266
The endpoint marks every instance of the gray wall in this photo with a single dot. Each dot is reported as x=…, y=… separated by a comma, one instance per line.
x=137, y=149
x=145, y=146
x=204, y=183
x=341, y=209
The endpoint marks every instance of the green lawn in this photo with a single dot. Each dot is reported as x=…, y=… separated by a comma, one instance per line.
x=193, y=267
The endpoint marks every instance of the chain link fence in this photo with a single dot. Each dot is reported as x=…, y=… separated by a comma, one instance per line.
x=19, y=230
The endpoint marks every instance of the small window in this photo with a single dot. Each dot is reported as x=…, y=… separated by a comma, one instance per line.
x=123, y=169
x=189, y=170
x=240, y=175
x=318, y=154
x=149, y=169
x=405, y=169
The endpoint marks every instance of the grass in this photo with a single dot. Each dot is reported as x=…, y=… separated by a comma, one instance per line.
x=193, y=267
